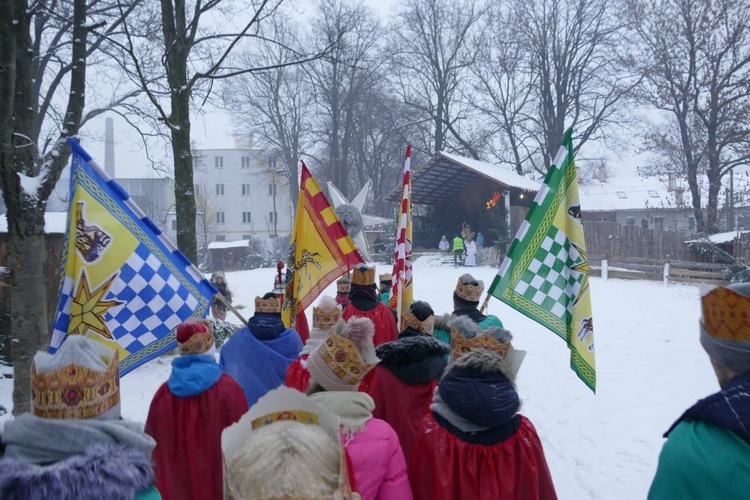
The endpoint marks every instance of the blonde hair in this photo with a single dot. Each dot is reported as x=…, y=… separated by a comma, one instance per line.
x=285, y=459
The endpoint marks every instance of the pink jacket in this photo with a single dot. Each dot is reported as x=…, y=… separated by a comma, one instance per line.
x=378, y=463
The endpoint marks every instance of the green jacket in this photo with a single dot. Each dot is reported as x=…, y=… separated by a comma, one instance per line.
x=702, y=461
x=458, y=244
x=441, y=331
x=149, y=494
x=385, y=297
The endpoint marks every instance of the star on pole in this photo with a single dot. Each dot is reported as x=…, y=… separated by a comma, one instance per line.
x=88, y=308
x=357, y=233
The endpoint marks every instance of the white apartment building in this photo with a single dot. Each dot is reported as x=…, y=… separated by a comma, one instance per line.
x=240, y=193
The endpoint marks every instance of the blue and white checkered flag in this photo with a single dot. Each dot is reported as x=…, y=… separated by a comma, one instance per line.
x=124, y=283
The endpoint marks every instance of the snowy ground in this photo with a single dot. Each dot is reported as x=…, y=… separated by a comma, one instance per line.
x=650, y=368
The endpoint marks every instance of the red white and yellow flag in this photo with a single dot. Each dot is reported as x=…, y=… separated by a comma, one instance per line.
x=320, y=250
x=402, y=277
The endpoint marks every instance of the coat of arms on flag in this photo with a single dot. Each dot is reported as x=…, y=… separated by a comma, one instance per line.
x=545, y=273
x=320, y=249
x=124, y=284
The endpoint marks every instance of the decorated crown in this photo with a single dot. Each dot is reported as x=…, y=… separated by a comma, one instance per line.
x=195, y=336
x=343, y=359
x=363, y=275
x=74, y=391
x=469, y=292
x=344, y=284
x=324, y=320
x=726, y=314
x=270, y=305
x=461, y=345
x=385, y=278
x=427, y=326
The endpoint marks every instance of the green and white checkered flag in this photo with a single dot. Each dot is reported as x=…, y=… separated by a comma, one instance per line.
x=545, y=274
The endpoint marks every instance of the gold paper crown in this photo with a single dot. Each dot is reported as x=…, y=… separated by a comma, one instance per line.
x=460, y=345
x=726, y=314
x=343, y=359
x=198, y=343
x=387, y=277
x=427, y=326
x=325, y=320
x=471, y=293
x=344, y=284
x=75, y=391
x=363, y=275
x=270, y=305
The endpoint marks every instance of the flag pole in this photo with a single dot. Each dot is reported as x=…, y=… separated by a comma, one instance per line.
x=224, y=301
x=484, y=304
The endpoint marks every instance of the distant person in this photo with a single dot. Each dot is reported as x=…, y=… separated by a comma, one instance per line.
x=386, y=282
x=219, y=280
x=707, y=453
x=187, y=416
x=465, y=303
x=444, y=245
x=365, y=303
x=458, y=251
x=221, y=328
x=480, y=240
x=471, y=253
x=343, y=287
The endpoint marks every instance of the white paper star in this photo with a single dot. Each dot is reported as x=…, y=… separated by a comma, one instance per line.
x=358, y=203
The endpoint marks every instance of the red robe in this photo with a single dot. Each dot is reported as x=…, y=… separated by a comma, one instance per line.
x=187, y=457
x=381, y=316
x=400, y=404
x=297, y=376
x=301, y=327
x=444, y=468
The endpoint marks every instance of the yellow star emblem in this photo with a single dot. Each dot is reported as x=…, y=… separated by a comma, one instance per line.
x=88, y=308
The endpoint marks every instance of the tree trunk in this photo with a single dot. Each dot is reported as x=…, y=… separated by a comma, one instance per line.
x=183, y=176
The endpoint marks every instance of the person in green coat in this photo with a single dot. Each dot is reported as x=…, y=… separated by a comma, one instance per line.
x=458, y=250
x=465, y=303
x=707, y=453
x=385, y=287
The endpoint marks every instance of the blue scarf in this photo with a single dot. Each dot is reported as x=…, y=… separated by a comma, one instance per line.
x=728, y=408
x=193, y=374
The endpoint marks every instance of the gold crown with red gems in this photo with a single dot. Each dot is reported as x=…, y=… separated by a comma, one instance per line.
x=363, y=275
x=324, y=320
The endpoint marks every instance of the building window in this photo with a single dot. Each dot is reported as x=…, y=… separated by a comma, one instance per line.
x=659, y=223
x=247, y=236
x=273, y=217
x=622, y=194
x=653, y=194
x=220, y=217
x=271, y=189
x=245, y=162
x=644, y=223
x=197, y=189
x=630, y=221
x=246, y=218
x=691, y=223
x=219, y=161
x=272, y=162
x=221, y=237
x=246, y=190
x=220, y=190
x=174, y=225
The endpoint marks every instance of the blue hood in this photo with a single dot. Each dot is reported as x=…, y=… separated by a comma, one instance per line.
x=193, y=375
x=266, y=326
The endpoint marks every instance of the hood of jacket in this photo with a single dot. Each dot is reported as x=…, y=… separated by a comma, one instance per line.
x=414, y=359
x=192, y=375
x=266, y=326
x=116, y=472
x=485, y=399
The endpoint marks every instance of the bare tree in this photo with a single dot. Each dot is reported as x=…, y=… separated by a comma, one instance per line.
x=276, y=105
x=435, y=45
x=697, y=66
x=45, y=48
x=574, y=48
x=341, y=79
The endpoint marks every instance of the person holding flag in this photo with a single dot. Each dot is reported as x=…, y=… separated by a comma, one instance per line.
x=465, y=303
x=365, y=303
x=545, y=274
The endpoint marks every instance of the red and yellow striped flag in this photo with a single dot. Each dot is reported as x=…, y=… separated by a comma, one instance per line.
x=401, y=281
x=320, y=250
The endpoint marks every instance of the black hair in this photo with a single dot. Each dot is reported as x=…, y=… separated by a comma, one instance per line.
x=421, y=310
x=270, y=295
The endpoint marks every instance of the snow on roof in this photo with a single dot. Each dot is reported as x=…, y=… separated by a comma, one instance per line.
x=720, y=237
x=228, y=244
x=628, y=193
x=501, y=174
x=54, y=222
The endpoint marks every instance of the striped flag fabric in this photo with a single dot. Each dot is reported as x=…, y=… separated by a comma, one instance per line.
x=320, y=250
x=124, y=283
x=545, y=274
x=402, y=276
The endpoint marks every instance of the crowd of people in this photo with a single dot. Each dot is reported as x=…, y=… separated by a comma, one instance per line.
x=463, y=246
x=427, y=409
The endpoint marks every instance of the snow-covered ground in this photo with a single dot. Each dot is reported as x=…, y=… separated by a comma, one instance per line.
x=650, y=368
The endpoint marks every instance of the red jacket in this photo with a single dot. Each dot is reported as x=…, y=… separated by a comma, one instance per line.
x=297, y=376
x=187, y=430
x=443, y=467
x=400, y=404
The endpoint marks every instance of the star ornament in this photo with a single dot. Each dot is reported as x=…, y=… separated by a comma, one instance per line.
x=352, y=211
x=88, y=309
